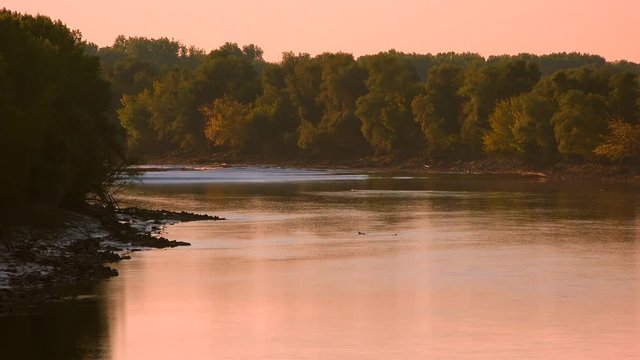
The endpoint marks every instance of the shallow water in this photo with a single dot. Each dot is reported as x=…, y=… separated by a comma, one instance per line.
x=451, y=266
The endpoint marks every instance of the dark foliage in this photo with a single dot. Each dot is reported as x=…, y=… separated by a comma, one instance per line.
x=57, y=143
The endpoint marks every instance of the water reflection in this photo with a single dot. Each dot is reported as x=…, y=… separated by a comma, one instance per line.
x=71, y=329
x=451, y=267
x=469, y=267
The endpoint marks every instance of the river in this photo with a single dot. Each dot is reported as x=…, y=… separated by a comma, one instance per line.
x=346, y=264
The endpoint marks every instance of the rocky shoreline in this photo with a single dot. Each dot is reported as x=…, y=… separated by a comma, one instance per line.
x=36, y=261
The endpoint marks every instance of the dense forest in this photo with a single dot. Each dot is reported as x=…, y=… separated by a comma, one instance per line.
x=57, y=142
x=72, y=112
x=173, y=99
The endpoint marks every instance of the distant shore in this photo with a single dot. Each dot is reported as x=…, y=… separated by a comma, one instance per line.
x=37, y=261
x=560, y=173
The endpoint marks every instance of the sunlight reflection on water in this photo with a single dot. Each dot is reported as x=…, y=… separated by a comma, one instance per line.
x=445, y=270
x=468, y=267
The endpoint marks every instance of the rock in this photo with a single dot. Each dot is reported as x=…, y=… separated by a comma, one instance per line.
x=40, y=259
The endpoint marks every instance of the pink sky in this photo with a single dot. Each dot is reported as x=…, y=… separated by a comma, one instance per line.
x=608, y=28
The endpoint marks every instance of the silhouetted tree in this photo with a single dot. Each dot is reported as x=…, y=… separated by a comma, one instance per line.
x=56, y=141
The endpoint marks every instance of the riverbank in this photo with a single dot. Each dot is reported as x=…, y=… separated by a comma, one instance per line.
x=596, y=172
x=35, y=261
x=601, y=173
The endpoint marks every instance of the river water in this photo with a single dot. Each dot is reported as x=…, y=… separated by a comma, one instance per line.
x=445, y=267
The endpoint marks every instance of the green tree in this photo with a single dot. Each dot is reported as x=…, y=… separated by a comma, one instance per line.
x=579, y=123
x=228, y=124
x=227, y=71
x=275, y=117
x=502, y=138
x=165, y=117
x=621, y=143
x=534, y=131
x=624, y=95
x=336, y=131
x=439, y=111
x=303, y=82
x=552, y=63
x=385, y=111
x=174, y=116
x=134, y=115
x=162, y=54
x=484, y=86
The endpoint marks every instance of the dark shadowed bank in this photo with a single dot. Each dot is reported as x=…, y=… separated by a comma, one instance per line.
x=38, y=263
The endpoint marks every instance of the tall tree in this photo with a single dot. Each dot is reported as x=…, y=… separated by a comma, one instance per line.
x=483, y=87
x=54, y=133
x=336, y=131
x=624, y=96
x=621, y=143
x=228, y=124
x=439, y=111
x=275, y=117
x=227, y=71
x=579, y=123
x=385, y=111
x=502, y=138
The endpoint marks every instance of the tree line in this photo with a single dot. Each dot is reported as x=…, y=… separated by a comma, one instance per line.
x=444, y=107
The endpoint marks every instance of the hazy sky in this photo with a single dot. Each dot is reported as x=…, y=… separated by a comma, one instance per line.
x=604, y=27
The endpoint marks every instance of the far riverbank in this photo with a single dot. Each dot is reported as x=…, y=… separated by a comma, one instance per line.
x=600, y=172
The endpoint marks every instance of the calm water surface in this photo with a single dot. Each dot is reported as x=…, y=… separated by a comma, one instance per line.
x=468, y=267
